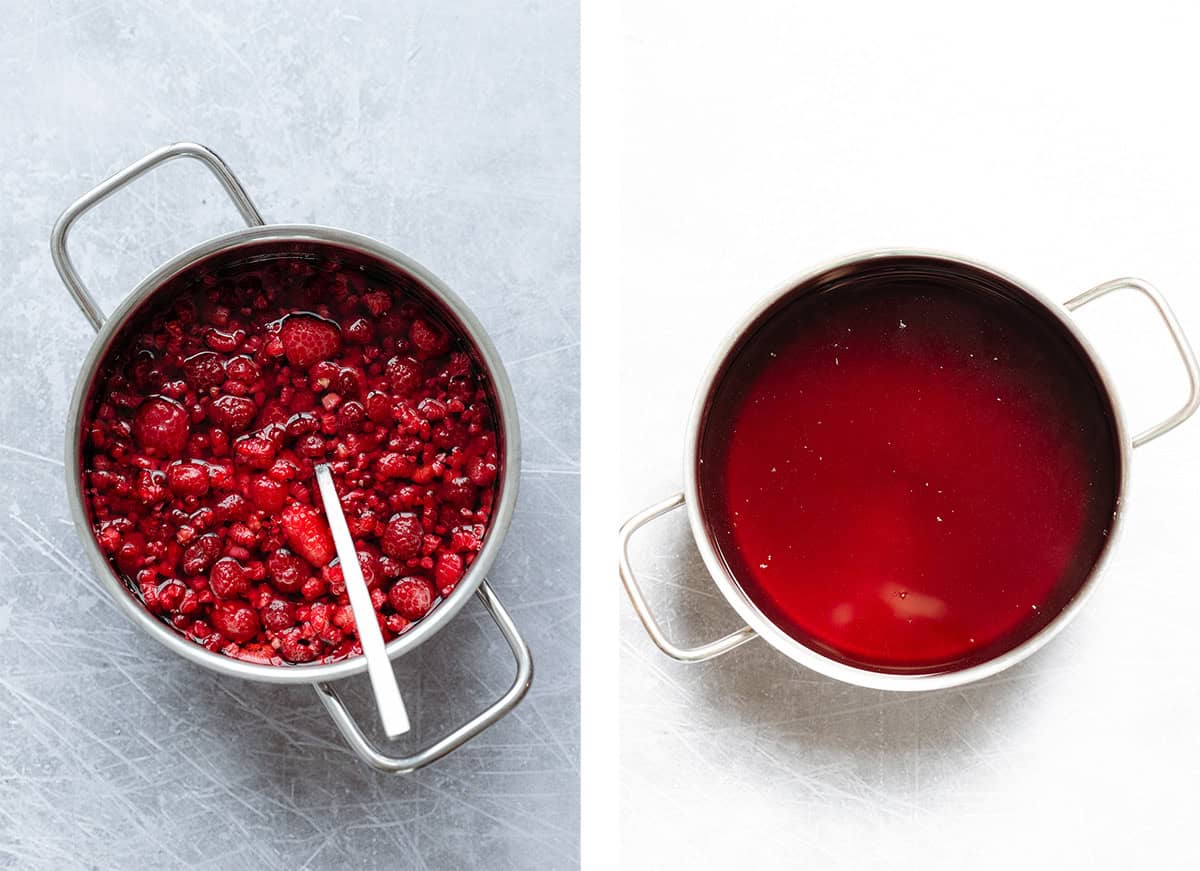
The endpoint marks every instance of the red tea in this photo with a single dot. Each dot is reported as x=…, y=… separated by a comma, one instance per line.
x=909, y=473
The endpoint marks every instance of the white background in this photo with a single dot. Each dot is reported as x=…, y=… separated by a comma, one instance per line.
x=1058, y=144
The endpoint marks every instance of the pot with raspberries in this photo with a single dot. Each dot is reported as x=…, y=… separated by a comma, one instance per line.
x=202, y=407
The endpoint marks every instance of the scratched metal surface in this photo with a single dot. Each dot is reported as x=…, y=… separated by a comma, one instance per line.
x=449, y=133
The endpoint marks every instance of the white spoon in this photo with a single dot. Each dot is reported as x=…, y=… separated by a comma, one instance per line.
x=379, y=667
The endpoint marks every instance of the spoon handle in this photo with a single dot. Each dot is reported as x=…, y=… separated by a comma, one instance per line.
x=383, y=679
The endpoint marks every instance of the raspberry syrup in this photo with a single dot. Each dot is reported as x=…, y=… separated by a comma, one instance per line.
x=909, y=471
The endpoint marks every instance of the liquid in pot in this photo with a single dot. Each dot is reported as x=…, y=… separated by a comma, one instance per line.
x=909, y=475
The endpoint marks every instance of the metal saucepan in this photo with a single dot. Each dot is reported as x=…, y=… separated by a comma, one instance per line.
x=760, y=625
x=257, y=238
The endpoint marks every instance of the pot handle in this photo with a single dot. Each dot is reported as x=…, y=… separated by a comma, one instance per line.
x=376, y=758
x=712, y=649
x=1177, y=336
x=108, y=187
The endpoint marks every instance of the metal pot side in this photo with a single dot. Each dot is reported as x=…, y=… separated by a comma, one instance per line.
x=261, y=240
x=757, y=624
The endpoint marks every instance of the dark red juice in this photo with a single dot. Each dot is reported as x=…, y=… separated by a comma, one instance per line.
x=908, y=473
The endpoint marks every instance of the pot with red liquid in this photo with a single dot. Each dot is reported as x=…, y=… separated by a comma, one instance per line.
x=906, y=470
x=205, y=400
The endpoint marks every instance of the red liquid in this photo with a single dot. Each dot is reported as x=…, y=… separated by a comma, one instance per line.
x=909, y=475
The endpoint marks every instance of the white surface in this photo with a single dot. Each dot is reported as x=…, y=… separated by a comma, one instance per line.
x=1059, y=145
x=392, y=714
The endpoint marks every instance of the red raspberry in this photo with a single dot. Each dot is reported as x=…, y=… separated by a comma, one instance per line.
x=274, y=413
x=170, y=594
x=255, y=451
x=161, y=427
x=243, y=369
x=411, y=597
x=481, y=471
x=379, y=407
x=200, y=554
x=351, y=381
x=308, y=339
x=279, y=614
x=429, y=338
x=360, y=331
x=236, y=621
x=458, y=491
x=402, y=537
x=224, y=340
x=203, y=371
x=392, y=465
x=377, y=302
x=449, y=572
x=267, y=494
x=187, y=479
x=372, y=571
x=350, y=417
x=464, y=541
x=294, y=647
x=286, y=571
x=234, y=413
x=405, y=374
x=313, y=588
x=242, y=535
x=307, y=534
x=149, y=488
x=227, y=579
x=432, y=409
x=232, y=507
x=131, y=555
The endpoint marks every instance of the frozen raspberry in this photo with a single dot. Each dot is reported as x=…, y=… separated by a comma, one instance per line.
x=360, y=331
x=227, y=579
x=405, y=374
x=279, y=614
x=429, y=338
x=294, y=647
x=308, y=339
x=267, y=494
x=161, y=427
x=235, y=621
x=187, y=479
x=234, y=413
x=243, y=369
x=449, y=572
x=402, y=538
x=307, y=534
x=377, y=302
x=231, y=507
x=481, y=471
x=255, y=451
x=203, y=371
x=411, y=597
x=131, y=555
x=286, y=571
x=201, y=554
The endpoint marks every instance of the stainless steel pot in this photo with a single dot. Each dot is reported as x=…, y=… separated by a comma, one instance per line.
x=254, y=237
x=758, y=625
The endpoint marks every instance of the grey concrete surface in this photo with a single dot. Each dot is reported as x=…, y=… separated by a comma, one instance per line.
x=448, y=130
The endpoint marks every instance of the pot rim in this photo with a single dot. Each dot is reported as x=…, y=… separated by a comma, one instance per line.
x=793, y=648
x=506, y=412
